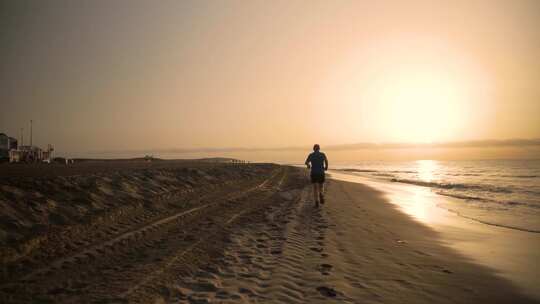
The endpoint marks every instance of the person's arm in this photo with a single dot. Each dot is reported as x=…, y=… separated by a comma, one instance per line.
x=325, y=163
x=308, y=159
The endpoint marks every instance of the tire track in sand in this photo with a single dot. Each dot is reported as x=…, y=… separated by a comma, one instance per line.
x=174, y=259
x=95, y=252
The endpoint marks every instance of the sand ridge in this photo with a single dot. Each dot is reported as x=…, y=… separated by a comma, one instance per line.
x=88, y=250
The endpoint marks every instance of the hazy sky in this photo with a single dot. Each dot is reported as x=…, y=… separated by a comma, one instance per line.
x=122, y=75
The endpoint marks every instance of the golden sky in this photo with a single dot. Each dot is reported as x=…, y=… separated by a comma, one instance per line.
x=136, y=75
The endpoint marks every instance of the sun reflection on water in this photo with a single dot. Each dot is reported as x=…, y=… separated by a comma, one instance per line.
x=427, y=169
x=419, y=204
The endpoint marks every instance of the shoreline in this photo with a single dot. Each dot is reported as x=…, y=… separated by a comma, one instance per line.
x=236, y=234
x=511, y=253
x=404, y=259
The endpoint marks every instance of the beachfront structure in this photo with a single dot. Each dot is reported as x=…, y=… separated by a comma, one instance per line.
x=9, y=148
x=27, y=154
x=6, y=144
x=31, y=154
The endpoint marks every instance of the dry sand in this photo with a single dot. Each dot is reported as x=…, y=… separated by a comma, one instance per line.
x=223, y=234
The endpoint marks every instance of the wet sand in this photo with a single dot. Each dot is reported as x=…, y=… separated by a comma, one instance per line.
x=511, y=253
x=225, y=235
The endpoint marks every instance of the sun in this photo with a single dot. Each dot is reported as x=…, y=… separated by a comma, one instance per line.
x=422, y=107
x=428, y=92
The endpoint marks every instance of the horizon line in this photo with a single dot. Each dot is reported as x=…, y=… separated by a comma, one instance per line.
x=487, y=143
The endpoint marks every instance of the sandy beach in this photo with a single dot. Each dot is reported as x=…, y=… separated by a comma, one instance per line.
x=185, y=232
x=191, y=152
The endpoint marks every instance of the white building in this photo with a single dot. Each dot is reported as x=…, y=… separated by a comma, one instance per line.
x=6, y=144
x=31, y=154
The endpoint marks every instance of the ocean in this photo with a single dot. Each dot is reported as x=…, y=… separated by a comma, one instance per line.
x=495, y=192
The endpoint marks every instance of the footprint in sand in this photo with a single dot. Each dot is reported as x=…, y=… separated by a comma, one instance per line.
x=327, y=291
x=247, y=291
x=275, y=251
x=325, y=269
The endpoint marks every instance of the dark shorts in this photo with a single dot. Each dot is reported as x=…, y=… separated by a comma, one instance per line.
x=317, y=178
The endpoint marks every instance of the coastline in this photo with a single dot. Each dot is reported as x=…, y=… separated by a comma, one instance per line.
x=232, y=234
x=510, y=253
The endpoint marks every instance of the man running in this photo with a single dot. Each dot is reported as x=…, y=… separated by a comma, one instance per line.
x=318, y=163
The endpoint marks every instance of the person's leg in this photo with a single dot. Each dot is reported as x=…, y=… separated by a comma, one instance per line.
x=321, y=193
x=316, y=193
x=315, y=189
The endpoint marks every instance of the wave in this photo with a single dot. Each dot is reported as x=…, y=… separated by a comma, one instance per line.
x=464, y=174
x=403, y=171
x=382, y=171
x=383, y=174
x=490, y=223
x=453, y=185
x=483, y=199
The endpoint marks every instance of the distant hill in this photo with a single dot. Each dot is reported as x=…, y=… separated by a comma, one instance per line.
x=217, y=159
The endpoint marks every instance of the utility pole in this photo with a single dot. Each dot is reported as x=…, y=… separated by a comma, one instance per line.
x=22, y=136
x=30, y=132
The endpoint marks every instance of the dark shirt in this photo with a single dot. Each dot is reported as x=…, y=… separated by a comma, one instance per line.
x=317, y=160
